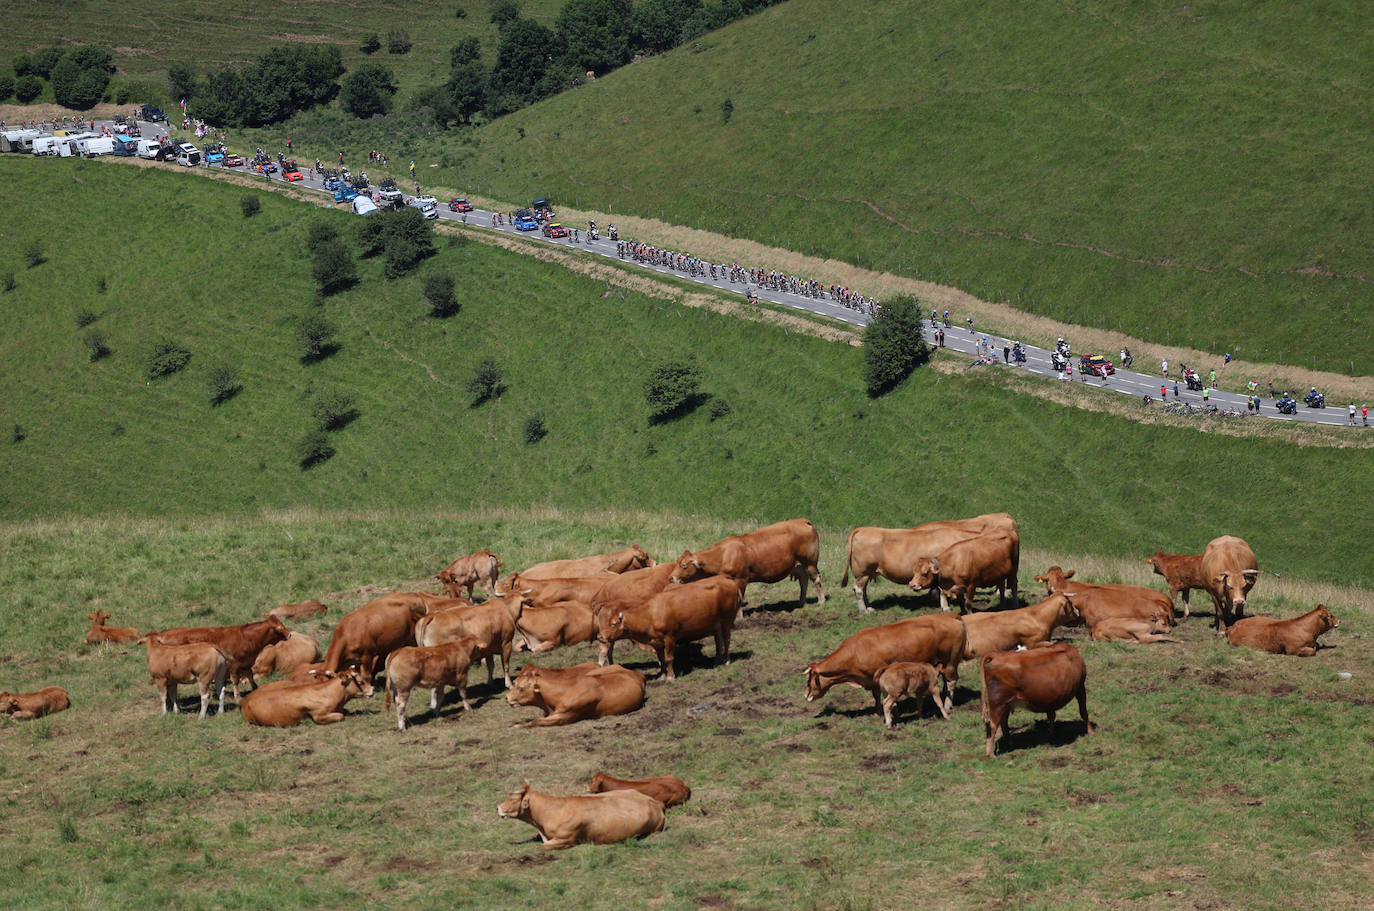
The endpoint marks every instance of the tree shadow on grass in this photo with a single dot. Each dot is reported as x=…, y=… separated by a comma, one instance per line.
x=324, y=352
x=690, y=404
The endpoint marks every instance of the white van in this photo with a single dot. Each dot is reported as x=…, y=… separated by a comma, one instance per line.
x=47, y=145
x=96, y=145
x=18, y=140
x=363, y=206
x=188, y=156
x=148, y=148
x=428, y=206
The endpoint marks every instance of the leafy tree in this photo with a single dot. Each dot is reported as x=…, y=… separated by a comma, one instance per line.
x=368, y=90
x=80, y=77
x=33, y=253
x=333, y=409
x=165, y=357
x=23, y=65
x=434, y=98
x=465, y=51
x=222, y=383
x=281, y=82
x=45, y=60
x=727, y=109
x=181, y=82
x=318, y=234
x=6, y=86
x=398, y=41
x=250, y=205
x=333, y=269
x=535, y=428
x=466, y=91
x=671, y=388
x=438, y=290
x=486, y=382
x=403, y=238
x=315, y=337
x=27, y=88
x=504, y=12
x=371, y=44
x=659, y=22
x=97, y=344
x=595, y=33
x=523, y=61
x=893, y=345
x=315, y=447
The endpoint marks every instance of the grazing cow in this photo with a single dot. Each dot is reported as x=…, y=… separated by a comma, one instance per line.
x=285, y=656
x=914, y=677
x=791, y=548
x=680, y=613
x=1003, y=631
x=1132, y=629
x=938, y=640
x=601, y=819
x=491, y=623
x=622, y=561
x=99, y=632
x=1041, y=679
x=434, y=666
x=240, y=645
x=28, y=706
x=285, y=704
x=576, y=693
x=481, y=568
x=367, y=635
x=1183, y=573
x=666, y=789
x=1096, y=603
x=633, y=588
x=892, y=552
x=189, y=662
x=558, y=590
x=546, y=628
x=960, y=569
x=1229, y=570
x=1295, y=636
x=298, y=610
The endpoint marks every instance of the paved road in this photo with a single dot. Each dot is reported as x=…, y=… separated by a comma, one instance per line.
x=957, y=338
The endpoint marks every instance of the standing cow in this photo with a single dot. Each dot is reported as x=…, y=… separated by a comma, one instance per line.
x=1183, y=573
x=1229, y=570
x=481, y=568
x=1041, y=679
x=961, y=569
x=771, y=554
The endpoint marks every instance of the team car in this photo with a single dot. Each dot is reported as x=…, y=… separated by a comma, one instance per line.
x=1095, y=364
x=525, y=221
x=459, y=204
x=554, y=229
x=232, y=161
x=289, y=171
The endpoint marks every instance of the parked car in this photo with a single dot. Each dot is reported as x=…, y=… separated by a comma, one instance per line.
x=525, y=220
x=1095, y=364
x=151, y=112
x=214, y=153
x=345, y=193
x=554, y=229
x=428, y=206
x=232, y=161
x=459, y=204
x=188, y=155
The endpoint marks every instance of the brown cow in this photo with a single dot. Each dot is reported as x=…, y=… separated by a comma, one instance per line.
x=28, y=706
x=576, y=693
x=1096, y=603
x=1132, y=629
x=633, y=588
x=1041, y=679
x=938, y=639
x=307, y=673
x=285, y=704
x=491, y=623
x=680, y=613
x=298, y=610
x=666, y=789
x=285, y=656
x=1003, y=631
x=1295, y=636
x=99, y=632
x=435, y=666
x=791, y=548
x=622, y=561
x=892, y=552
x=240, y=645
x=556, y=590
x=367, y=635
x=1183, y=573
x=481, y=568
x=546, y=628
x=189, y=662
x=602, y=819
x=1230, y=570
x=914, y=677
x=962, y=568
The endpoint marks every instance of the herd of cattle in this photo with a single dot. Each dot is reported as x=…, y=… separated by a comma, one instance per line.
x=431, y=640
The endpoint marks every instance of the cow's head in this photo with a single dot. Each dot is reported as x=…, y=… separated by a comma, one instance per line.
x=1054, y=578
x=1328, y=619
x=279, y=632
x=642, y=560
x=1154, y=563
x=1235, y=585
x=8, y=704
x=525, y=689
x=598, y=783
x=507, y=585
x=925, y=574
x=688, y=568
x=816, y=685
x=99, y=617
x=355, y=684
x=516, y=806
x=610, y=623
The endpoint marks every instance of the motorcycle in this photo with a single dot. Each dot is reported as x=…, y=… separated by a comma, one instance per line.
x=1018, y=355
x=612, y=233
x=1059, y=361
x=1286, y=405
x=592, y=234
x=1315, y=399
x=1062, y=347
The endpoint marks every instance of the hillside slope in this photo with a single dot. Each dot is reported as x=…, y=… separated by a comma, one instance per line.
x=1179, y=173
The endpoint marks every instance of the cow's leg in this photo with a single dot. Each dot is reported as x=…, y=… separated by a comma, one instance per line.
x=667, y=652
x=997, y=718
x=935, y=697
x=401, y=698
x=1184, y=595
x=799, y=573
x=722, y=644
x=436, y=698
x=327, y=717
x=551, y=720
x=204, y=696
x=1082, y=696
x=491, y=669
x=605, y=653
x=877, y=693
x=505, y=662
x=463, y=691
x=889, y=702
x=860, y=593
x=162, y=694
x=1050, y=716
x=944, y=601
x=172, y=696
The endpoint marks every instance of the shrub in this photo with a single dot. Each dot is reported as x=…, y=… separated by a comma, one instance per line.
x=671, y=388
x=6, y=86
x=80, y=78
x=250, y=205
x=371, y=44
x=719, y=409
x=166, y=357
x=893, y=345
x=318, y=235
x=97, y=345
x=727, y=110
x=368, y=90
x=333, y=409
x=315, y=337
x=486, y=382
x=33, y=253
x=27, y=88
x=403, y=238
x=22, y=65
x=100, y=286
x=222, y=383
x=460, y=13
x=438, y=290
x=535, y=428
x=398, y=41
x=315, y=447
x=504, y=12
x=334, y=269
x=44, y=60
x=7, y=281
x=85, y=317
x=18, y=435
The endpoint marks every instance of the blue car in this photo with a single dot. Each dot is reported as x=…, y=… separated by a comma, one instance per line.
x=526, y=222
x=345, y=193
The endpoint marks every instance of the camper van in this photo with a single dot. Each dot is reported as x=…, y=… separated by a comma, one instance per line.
x=47, y=145
x=18, y=140
x=91, y=146
x=149, y=149
x=188, y=156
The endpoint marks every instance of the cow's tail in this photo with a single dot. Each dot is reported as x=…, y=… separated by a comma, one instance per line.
x=848, y=555
x=983, y=685
x=386, y=693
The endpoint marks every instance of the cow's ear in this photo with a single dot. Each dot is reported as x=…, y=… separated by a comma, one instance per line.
x=1250, y=572
x=1069, y=574
x=935, y=564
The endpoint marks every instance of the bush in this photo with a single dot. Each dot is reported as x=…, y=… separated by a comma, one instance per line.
x=33, y=253
x=486, y=382
x=85, y=317
x=334, y=269
x=79, y=79
x=97, y=345
x=438, y=290
x=727, y=110
x=7, y=281
x=403, y=238
x=535, y=428
x=100, y=286
x=315, y=337
x=45, y=59
x=398, y=41
x=22, y=65
x=222, y=383
x=504, y=12
x=671, y=389
x=315, y=447
x=333, y=409
x=250, y=205
x=27, y=88
x=368, y=90
x=893, y=345
x=371, y=44
x=6, y=86
x=719, y=409
x=166, y=357
x=18, y=435
x=319, y=234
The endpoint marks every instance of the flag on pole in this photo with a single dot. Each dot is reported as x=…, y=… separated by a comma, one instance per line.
x=183, y=104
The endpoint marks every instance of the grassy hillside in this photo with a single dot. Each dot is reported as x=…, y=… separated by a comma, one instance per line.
x=801, y=438
x=1181, y=174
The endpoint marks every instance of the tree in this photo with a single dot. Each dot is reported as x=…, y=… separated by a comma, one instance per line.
x=398, y=41
x=486, y=382
x=368, y=90
x=23, y=65
x=315, y=337
x=893, y=345
x=504, y=12
x=526, y=55
x=333, y=269
x=45, y=60
x=403, y=238
x=659, y=23
x=466, y=91
x=465, y=51
x=165, y=357
x=181, y=81
x=80, y=77
x=671, y=389
x=6, y=86
x=27, y=88
x=595, y=33
x=438, y=290
x=371, y=44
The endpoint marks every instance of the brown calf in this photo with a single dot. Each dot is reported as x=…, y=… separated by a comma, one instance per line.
x=666, y=789
x=434, y=666
x=188, y=662
x=99, y=632
x=602, y=819
x=909, y=677
x=28, y=706
x=285, y=705
x=1296, y=636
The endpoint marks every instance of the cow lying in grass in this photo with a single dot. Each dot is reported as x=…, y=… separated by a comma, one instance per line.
x=28, y=706
x=286, y=704
x=576, y=693
x=601, y=819
x=1296, y=636
x=99, y=632
x=666, y=789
